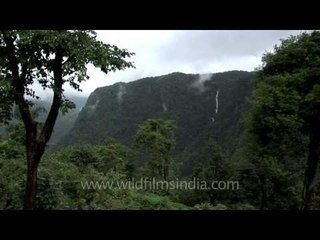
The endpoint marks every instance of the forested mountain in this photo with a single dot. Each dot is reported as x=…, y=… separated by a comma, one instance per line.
x=204, y=106
x=232, y=140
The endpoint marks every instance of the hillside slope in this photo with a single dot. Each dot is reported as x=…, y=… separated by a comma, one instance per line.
x=204, y=106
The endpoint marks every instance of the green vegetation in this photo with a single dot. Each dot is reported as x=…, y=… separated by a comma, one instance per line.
x=264, y=136
x=60, y=177
x=156, y=136
x=174, y=97
x=50, y=58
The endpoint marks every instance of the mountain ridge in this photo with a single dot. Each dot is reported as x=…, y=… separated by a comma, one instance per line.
x=115, y=111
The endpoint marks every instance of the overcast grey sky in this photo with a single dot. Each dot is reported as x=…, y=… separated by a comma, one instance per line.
x=193, y=51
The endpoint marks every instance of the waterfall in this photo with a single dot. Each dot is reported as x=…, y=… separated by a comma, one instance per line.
x=217, y=101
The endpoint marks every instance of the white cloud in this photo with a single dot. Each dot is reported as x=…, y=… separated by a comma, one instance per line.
x=193, y=51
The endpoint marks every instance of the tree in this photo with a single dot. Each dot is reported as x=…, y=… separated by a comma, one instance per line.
x=216, y=167
x=285, y=118
x=11, y=167
x=158, y=138
x=51, y=58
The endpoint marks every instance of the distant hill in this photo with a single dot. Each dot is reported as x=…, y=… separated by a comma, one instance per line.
x=64, y=122
x=204, y=106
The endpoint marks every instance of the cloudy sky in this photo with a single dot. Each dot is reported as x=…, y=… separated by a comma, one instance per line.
x=193, y=51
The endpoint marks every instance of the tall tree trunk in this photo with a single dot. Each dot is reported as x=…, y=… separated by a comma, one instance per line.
x=31, y=186
x=34, y=152
x=35, y=145
x=32, y=177
x=313, y=163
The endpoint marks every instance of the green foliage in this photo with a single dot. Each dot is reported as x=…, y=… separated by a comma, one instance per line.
x=12, y=167
x=11, y=183
x=156, y=134
x=155, y=202
x=295, y=53
x=242, y=206
x=275, y=116
x=50, y=58
x=169, y=97
x=285, y=109
x=157, y=137
x=11, y=145
x=113, y=156
x=268, y=159
x=35, y=51
x=217, y=167
x=48, y=195
x=63, y=190
x=208, y=206
x=268, y=184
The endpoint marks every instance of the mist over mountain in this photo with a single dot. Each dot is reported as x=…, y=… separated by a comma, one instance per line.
x=207, y=106
x=64, y=122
